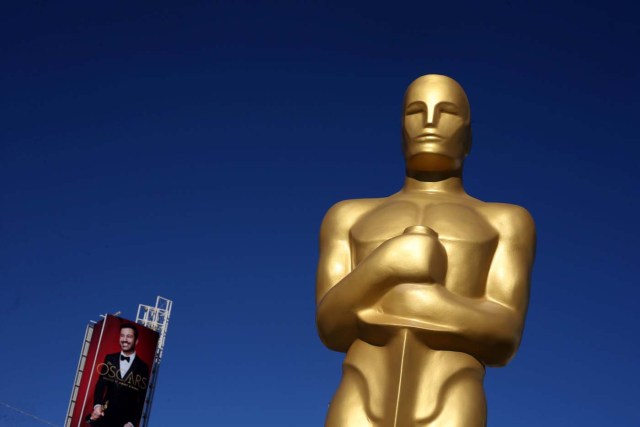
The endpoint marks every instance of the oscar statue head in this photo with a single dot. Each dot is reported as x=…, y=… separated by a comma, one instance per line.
x=436, y=125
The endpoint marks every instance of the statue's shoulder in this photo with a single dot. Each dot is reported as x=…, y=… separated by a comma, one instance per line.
x=347, y=212
x=357, y=204
x=508, y=219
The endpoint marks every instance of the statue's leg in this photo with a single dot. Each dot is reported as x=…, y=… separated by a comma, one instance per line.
x=348, y=407
x=464, y=403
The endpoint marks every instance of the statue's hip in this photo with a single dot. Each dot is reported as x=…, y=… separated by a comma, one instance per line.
x=405, y=383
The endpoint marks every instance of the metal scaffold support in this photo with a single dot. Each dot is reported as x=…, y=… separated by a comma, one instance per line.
x=79, y=371
x=156, y=318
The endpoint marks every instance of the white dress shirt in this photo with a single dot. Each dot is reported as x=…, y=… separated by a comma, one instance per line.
x=124, y=365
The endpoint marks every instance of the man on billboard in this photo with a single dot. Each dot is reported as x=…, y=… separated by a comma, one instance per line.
x=122, y=386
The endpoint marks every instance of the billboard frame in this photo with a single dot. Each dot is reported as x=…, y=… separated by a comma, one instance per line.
x=155, y=318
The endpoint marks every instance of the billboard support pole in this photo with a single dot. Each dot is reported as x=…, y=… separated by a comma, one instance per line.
x=79, y=371
x=156, y=318
x=82, y=367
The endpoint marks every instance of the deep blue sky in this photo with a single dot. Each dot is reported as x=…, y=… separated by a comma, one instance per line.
x=190, y=150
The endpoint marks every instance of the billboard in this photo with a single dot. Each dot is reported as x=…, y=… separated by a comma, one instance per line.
x=113, y=375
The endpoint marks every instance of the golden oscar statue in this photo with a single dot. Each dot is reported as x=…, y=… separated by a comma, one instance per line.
x=424, y=288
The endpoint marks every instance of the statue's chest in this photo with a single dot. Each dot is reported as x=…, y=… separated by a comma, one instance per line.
x=458, y=225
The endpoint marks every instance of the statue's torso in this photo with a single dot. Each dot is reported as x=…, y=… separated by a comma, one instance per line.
x=403, y=377
x=462, y=226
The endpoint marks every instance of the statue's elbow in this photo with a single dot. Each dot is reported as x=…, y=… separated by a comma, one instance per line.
x=325, y=335
x=501, y=355
x=332, y=335
x=503, y=350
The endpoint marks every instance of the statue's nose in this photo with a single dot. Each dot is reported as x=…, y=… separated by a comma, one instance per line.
x=431, y=118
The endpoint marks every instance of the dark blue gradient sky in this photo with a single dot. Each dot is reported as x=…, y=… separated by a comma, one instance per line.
x=190, y=150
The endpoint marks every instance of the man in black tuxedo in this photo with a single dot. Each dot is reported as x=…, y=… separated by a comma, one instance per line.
x=121, y=389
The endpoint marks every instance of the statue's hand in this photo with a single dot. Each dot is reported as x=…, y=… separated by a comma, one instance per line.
x=421, y=307
x=415, y=256
x=413, y=300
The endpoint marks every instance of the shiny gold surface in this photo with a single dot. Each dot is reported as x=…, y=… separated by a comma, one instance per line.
x=424, y=288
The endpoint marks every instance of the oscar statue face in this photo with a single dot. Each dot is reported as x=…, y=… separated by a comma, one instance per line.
x=436, y=129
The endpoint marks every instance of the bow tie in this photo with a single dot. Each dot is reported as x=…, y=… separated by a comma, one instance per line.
x=127, y=358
